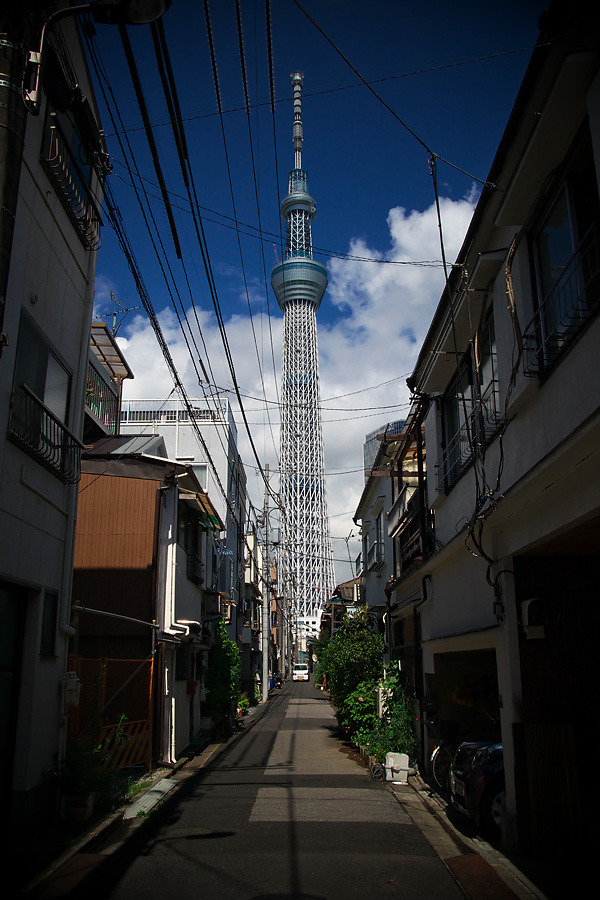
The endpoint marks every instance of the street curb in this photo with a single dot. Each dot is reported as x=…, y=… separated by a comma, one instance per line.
x=500, y=865
x=101, y=828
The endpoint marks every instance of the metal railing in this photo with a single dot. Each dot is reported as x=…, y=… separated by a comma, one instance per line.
x=566, y=308
x=399, y=508
x=480, y=426
x=101, y=399
x=71, y=185
x=375, y=555
x=41, y=434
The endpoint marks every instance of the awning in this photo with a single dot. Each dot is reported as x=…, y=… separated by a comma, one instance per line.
x=106, y=351
x=200, y=500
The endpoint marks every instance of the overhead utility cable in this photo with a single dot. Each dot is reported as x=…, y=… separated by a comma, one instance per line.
x=102, y=79
x=149, y=135
x=250, y=141
x=164, y=266
x=383, y=102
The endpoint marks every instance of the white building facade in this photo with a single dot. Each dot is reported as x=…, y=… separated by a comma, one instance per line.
x=47, y=277
x=498, y=608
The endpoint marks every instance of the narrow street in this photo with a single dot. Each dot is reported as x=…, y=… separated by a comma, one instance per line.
x=283, y=813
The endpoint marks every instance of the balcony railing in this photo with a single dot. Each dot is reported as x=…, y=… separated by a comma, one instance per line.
x=37, y=431
x=101, y=399
x=410, y=544
x=71, y=185
x=398, y=511
x=481, y=425
x=567, y=307
x=413, y=530
x=375, y=556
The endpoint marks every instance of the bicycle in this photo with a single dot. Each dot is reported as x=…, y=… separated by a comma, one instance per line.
x=441, y=762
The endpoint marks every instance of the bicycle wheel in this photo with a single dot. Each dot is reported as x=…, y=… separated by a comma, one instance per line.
x=441, y=761
x=378, y=772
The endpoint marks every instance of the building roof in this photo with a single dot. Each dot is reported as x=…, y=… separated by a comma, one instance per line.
x=145, y=456
x=128, y=444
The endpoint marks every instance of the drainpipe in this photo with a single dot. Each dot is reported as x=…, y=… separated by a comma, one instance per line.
x=13, y=121
x=419, y=658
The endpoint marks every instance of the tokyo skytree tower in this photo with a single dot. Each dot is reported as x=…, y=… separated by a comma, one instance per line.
x=299, y=283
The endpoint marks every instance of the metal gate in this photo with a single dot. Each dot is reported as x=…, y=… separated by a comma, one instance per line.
x=115, y=708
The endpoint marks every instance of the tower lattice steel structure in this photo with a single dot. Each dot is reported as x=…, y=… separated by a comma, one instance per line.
x=299, y=283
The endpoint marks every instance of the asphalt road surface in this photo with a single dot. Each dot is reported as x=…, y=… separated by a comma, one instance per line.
x=282, y=813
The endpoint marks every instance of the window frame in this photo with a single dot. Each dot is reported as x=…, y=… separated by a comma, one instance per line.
x=571, y=299
x=473, y=398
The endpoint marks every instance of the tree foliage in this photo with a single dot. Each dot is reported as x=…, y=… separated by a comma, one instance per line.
x=223, y=675
x=354, y=654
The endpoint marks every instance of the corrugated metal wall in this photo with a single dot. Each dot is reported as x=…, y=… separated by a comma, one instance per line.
x=114, y=564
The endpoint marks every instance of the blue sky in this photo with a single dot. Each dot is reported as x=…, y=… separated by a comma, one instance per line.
x=450, y=72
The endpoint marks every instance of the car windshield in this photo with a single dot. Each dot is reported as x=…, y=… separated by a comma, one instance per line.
x=301, y=668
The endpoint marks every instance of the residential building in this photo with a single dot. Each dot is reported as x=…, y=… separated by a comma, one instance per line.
x=203, y=435
x=53, y=164
x=494, y=611
x=251, y=648
x=371, y=516
x=144, y=564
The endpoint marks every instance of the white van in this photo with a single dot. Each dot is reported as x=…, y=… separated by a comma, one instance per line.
x=300, y=672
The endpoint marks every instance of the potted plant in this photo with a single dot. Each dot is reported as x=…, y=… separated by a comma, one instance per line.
x=80, y=777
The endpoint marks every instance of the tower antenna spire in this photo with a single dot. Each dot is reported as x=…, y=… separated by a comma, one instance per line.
x=297, y=79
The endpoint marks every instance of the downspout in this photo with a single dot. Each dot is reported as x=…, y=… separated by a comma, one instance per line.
x=419, y=663
x=13, y=123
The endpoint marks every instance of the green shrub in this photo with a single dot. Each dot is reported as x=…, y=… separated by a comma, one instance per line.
x=395, y=732
x=353, y=655
x=357, y=712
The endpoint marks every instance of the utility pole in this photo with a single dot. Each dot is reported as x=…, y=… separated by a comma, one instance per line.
x=266, y=618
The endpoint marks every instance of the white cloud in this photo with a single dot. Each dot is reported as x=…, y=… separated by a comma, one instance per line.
x=383, y=313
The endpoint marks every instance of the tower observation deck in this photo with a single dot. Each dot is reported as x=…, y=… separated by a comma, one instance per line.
x=299, y=283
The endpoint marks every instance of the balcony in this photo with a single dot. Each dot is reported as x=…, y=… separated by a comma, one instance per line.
x=481, y=425
x=40, y=434
x=71, y=185
x=412, y=531
x=566, y=309
x=101, y=399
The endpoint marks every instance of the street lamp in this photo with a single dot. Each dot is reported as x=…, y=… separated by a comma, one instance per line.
x=105, y=12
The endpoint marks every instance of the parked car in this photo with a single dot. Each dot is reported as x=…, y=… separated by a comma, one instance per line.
x=300, y=672
x=477, y=784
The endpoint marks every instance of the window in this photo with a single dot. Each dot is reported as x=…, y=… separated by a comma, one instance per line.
x=183, y=662
x=73, y=152
x=49, y=615
x=40, y=404
x=189, y=536
x=39, y=369
x=565, y=250
x=457, y=408
x=471, y=406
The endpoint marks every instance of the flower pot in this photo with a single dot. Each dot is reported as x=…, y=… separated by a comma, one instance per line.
x=79, y=811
